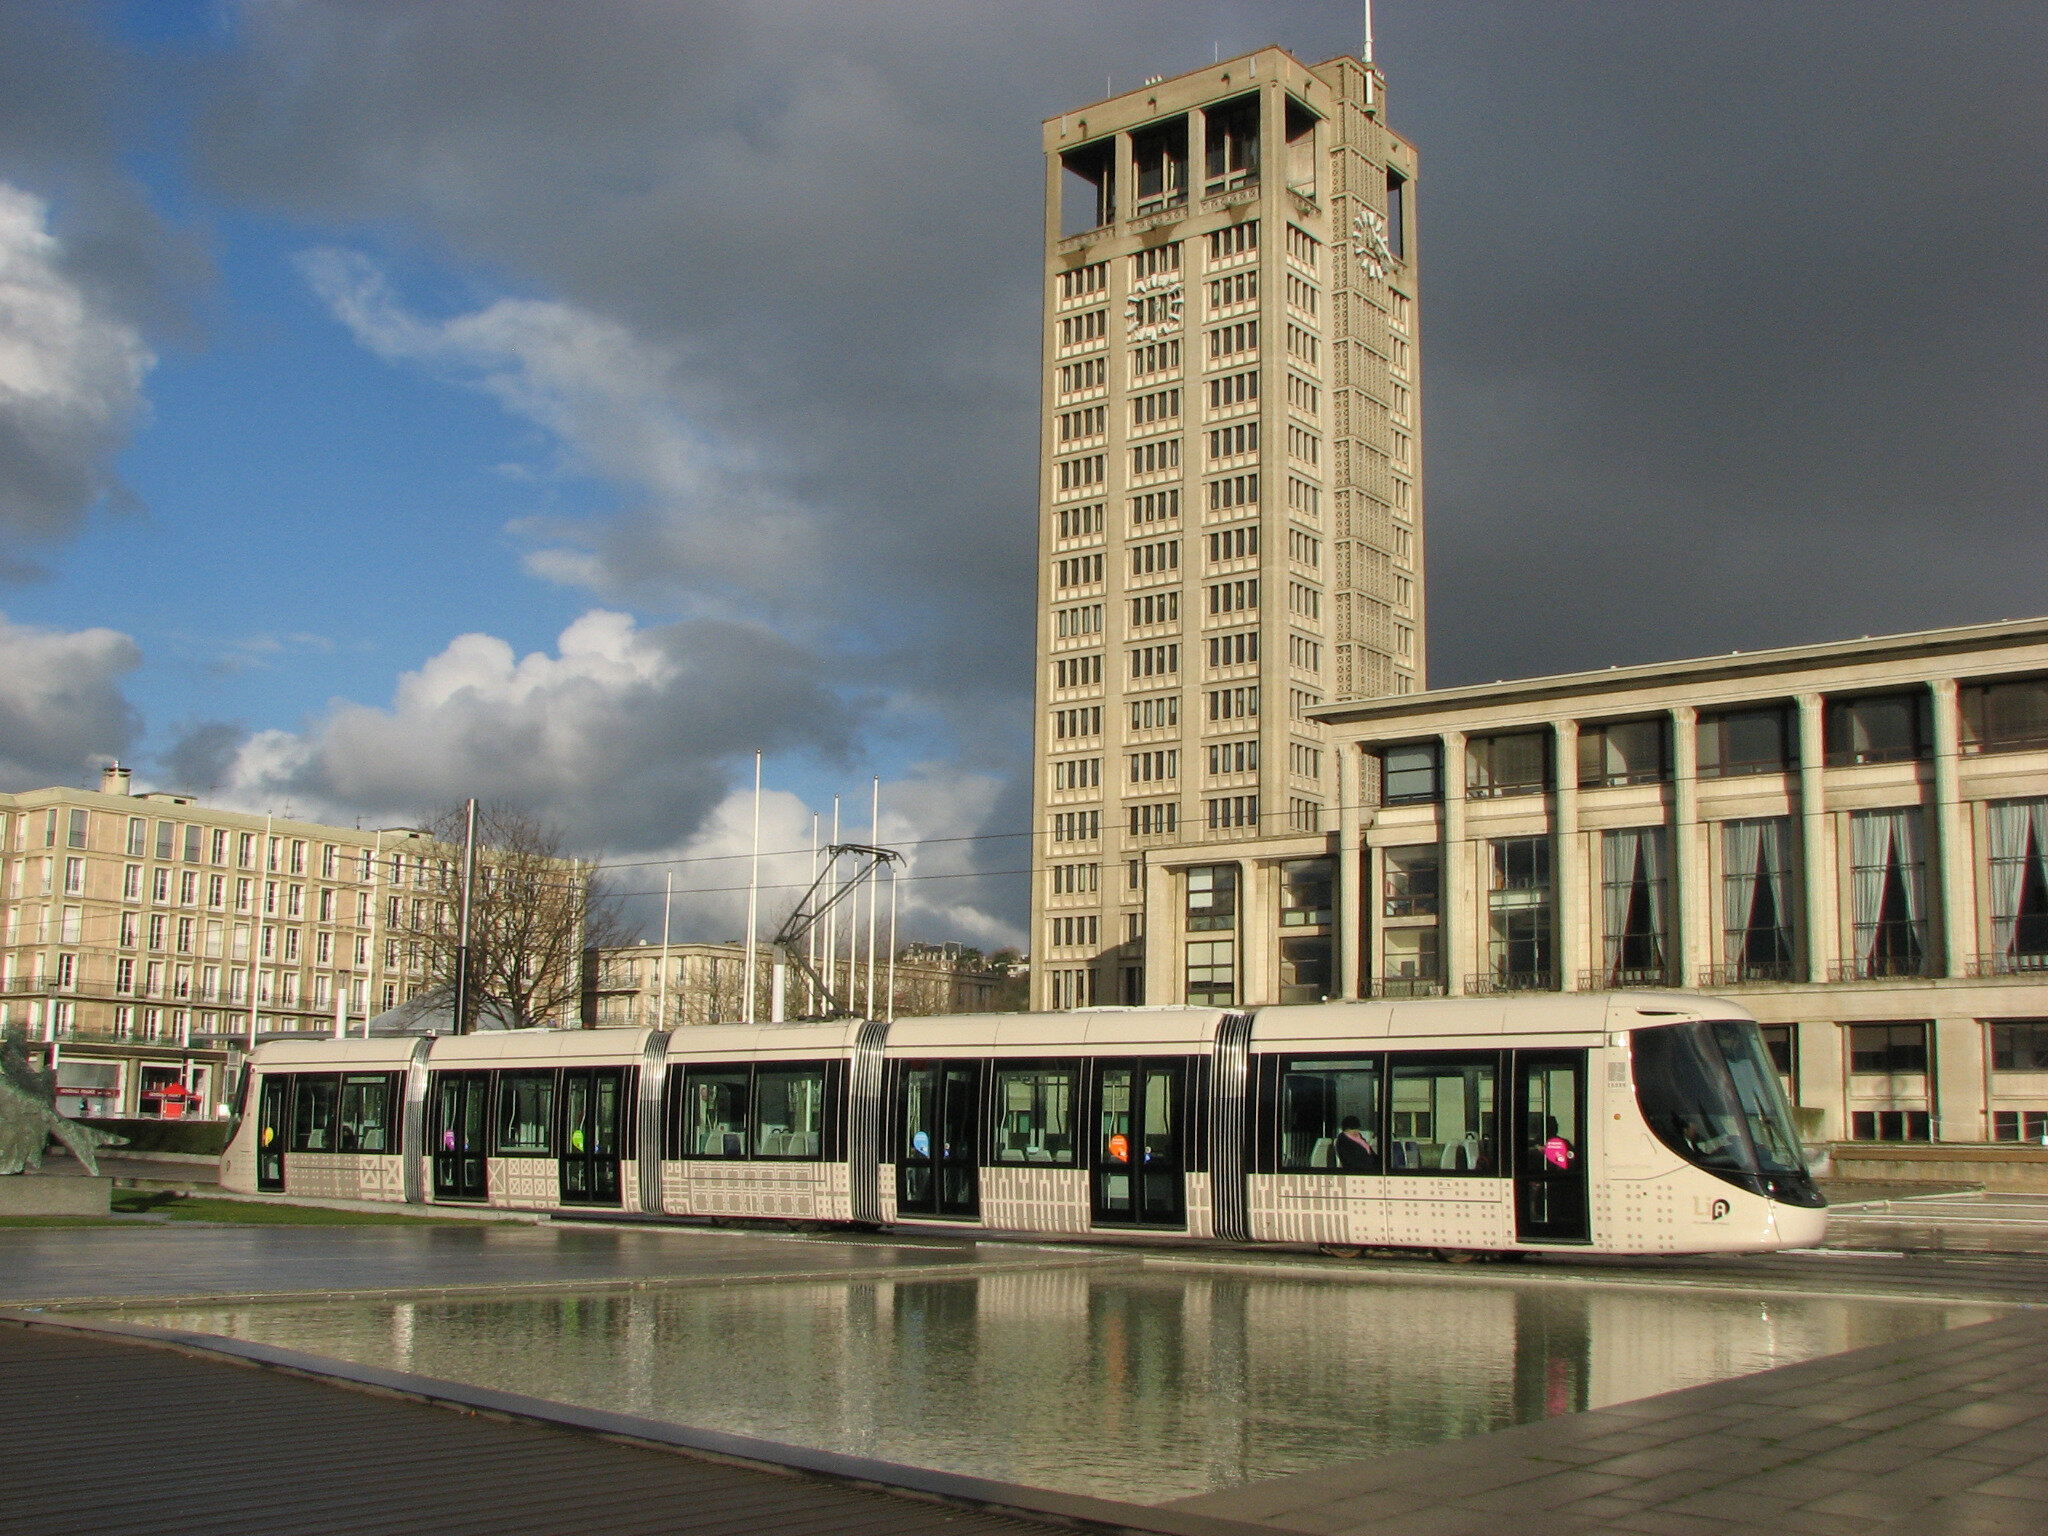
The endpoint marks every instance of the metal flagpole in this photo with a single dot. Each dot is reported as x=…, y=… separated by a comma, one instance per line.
x=754, y=894
x=668, y=896
x=1368, y=33
x=874, y=885
x=256, y=934
x=462, y=937
x=832, y=918
x=811, y=933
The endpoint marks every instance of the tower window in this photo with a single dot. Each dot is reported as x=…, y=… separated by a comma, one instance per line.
x=1397, y=214
x=1233, y=144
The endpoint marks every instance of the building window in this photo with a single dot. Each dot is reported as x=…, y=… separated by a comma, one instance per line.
x=1632, y=889
x=1628, y=752
x=1880, y=728
x=1306, y=892
x=1231, y=811
x=1888, y=1050
x=1508, y=765
x=1074, y=988
x=2020, y=1046
x=1891, y=1125
x=1412, y=963
x=2005, y=717
x=1232, y=144
x=1756, y=900
x=1212, y=898
x=2019, y=885
x=1212, y=973
x=1305, y=968
x=1890, y=877
x=138, y=837
x=75, y=832
x=1747, y=741
x=1411, y=774
x=1397, y=215
x=1518, y=901
x=2019, y=1125
x=1412, y=876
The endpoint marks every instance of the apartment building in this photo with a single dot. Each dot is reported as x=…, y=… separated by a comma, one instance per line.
x=1849, y=839
x=1231, y=493
x=152, y=932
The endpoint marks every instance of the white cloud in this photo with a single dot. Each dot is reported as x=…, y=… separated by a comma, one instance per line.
x=623, y=732
x=70, y=384
x=62, y=710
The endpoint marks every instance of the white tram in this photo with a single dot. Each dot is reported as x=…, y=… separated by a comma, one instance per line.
x=1627, y=1122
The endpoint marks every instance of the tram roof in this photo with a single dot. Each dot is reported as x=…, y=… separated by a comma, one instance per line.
x=1481, y=1018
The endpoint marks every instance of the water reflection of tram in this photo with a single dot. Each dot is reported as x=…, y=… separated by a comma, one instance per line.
x=1615, y=1122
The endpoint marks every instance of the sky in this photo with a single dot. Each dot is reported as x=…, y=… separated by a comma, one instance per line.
x=558, y=403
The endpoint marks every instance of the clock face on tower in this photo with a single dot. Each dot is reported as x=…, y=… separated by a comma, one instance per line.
x=1369, y=240
x=1154, y=307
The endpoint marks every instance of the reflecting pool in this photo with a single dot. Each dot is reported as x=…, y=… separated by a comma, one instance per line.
x=1134, y=1382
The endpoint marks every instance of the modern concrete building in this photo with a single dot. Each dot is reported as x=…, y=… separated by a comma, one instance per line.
x=1230, y=493
x=133, y=929
x=1849, y=839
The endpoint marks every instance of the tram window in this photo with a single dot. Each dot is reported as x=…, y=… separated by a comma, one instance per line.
x=1330, y=1115
x=365, y=1114
x=789, y=1111
x=1441, y=1117
x=714, y=1113
x=1035, y=1114
x=313, y=1114
x=526, y=1113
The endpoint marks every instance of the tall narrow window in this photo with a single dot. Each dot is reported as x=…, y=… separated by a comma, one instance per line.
x=1212, y=973
x=1212, y=897
x=1756, y=900
x=1519, y=913
x=1397, y=215
x=2019, y=885
x=1633, y=897
x=1159, y=159
x=1891, y=892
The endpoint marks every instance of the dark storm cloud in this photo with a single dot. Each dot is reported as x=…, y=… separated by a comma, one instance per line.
x=1732, y=312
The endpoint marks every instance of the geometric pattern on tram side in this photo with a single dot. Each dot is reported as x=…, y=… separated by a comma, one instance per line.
x=525, y=1183
x=746, y=1189
x=345, y=1175
x=1034, y=1199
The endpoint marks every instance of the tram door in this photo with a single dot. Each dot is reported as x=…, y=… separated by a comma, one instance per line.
x=937, y=1157
x=1550, y=1147
x=460, y=1121
x=593, y=1100
x=273, y=1114
x=1140, y=1176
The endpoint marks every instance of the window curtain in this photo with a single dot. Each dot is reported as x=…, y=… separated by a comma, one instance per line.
x=2019, y=838
x=1884, y=841
x=1871, y=844
x=1630, y=861
x=1776, y=845
x=1650, y=845
x=1741, y=848
x=1617, y=880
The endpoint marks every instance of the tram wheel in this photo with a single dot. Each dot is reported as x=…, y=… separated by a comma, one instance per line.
x=1456, y=1255
x=1339, y=1251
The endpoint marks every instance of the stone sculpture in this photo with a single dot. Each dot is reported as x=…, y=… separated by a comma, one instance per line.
x=29, y=1118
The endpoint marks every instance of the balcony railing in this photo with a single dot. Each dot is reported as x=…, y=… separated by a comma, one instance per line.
x=1749, y=974
x=1634, y=976
x=1879, y=968
x=2008, y=965
x=1405, y=986
x=1510, y=981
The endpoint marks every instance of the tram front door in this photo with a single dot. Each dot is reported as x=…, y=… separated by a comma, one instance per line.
x=461, y=1119
x=593, y=1100
x=273, y=1114
x=937, y=1154
x=1140, y=1177
x=1550, y=1147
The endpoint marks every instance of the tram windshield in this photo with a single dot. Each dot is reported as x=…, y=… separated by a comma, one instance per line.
x=1710, y=1093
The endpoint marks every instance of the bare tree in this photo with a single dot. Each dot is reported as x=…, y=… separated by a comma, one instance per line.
x=534, y=911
